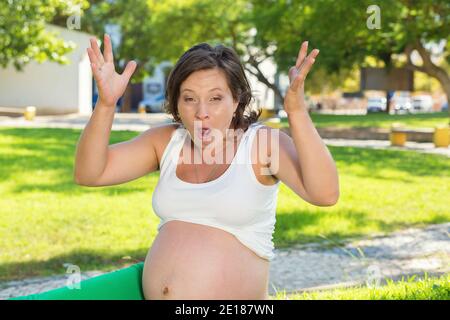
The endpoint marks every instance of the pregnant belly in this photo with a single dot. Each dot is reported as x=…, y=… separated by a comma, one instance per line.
x=193, y=261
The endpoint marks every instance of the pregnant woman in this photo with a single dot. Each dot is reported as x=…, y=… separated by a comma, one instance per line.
x=220, y=171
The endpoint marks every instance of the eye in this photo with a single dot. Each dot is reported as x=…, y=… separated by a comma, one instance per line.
x=217, y=98
x=188, y=99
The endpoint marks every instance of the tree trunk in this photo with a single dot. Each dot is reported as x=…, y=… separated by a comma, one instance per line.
x=429, y=68
x=444, y=80
x=388, y=102
x=260, y=76
x=127, y=96
x=253, y=63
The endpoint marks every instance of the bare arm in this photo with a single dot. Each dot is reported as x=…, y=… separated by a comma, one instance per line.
x=307, y=156
x=127, y=160
x=92, y=151
x=92, y=148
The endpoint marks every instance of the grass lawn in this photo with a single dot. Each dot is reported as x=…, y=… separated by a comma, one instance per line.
x=47, y=220
x=428, y=288
x=379, y=120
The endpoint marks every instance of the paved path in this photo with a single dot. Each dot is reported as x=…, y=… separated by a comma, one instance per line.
x=122, y=121
x=368, y=261
x=425, y=147
x=142, y=121
x=310, y=267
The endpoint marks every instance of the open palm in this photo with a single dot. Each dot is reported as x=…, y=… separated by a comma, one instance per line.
x=110, y=84
x=294, y=99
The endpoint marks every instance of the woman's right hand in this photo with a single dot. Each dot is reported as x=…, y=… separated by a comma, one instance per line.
x=110, y=84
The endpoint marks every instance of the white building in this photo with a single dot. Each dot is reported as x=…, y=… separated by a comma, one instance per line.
x=51, y=87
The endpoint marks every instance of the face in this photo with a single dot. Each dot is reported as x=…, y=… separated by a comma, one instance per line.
x=206, y=101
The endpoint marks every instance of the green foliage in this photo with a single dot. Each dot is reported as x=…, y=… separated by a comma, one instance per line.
x=339, y=30
x=179, y=25
x=23, y=36
x=137, y=32
x=154, y=30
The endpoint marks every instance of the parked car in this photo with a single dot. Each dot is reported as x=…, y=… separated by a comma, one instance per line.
x=153, y=88
x=444, y=107
x=376, y=104
x=422, y=103
x=401, y=102
x=154, y=100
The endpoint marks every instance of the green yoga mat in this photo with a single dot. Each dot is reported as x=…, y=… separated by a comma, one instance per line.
x=122, y=284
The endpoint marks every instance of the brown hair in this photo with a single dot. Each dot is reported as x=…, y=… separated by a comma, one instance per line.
x=200, y=57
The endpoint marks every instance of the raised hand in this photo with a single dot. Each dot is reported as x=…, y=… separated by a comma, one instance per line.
x=294, y=99
x=110, y=84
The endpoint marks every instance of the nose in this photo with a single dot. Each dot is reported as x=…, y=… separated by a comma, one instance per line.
x=202, y=112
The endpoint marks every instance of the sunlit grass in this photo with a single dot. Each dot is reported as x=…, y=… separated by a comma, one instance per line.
x=47, y=220
x=426, y=288
x=379, y=120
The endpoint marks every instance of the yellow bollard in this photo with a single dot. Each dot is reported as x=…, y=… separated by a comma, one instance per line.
x=267, y=113
x=397, y=138
x=273, y=122
x=29, y=113
x=141, y=108
x=441, y=136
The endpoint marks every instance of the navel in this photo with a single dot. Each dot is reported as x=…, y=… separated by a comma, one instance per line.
x=166, y=290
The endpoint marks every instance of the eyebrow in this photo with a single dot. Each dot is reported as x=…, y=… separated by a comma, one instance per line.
x=208, y=90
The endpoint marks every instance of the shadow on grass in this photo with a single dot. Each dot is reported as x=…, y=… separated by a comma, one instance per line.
x=288, y=232
x=52, y=150
x=66, y=187
x=86, y=260
x=290, y=227
x=373, y=162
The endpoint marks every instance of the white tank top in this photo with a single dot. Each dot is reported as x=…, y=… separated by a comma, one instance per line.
x=235, y=202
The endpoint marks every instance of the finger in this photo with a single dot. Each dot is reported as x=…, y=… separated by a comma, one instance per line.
x=312, y=55
x=302, y=75
x=296, y=83
x=309, y=61
x=129, y=69
x=108, y=49
x=293, y=72
x=92, y=56
x=95, y=71
x=97, y=52
x=301, y=54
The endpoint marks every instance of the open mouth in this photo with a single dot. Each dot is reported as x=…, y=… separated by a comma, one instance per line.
x=204, y=133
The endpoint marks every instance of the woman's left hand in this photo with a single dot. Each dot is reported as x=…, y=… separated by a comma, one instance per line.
x=294, y=100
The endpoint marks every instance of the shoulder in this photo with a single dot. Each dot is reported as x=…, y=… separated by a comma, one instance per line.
x=270, y=138
x=162, y=131
x=160, y=136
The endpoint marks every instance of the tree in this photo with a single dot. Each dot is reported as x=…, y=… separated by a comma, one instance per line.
x=340, y=30
x=23, y=36
x=133, y=21
x=178, y=25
